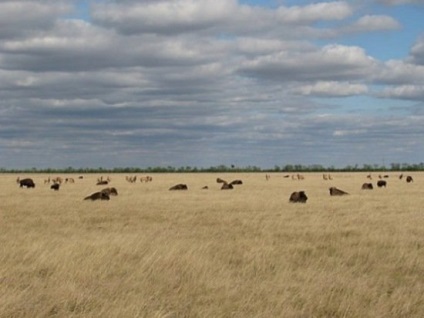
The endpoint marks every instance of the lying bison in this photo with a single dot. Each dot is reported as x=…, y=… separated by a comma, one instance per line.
x=102, y=182
x=236, y=182
x=409, y=179
x=28, y=183
x=367, y=186
x=98, y=196
x=179, y=186
x=298, y=197
x=219, y=180
x=334, y=191
x=227, y=186
x=381, y=183
x=55, y=186
x=110, y=191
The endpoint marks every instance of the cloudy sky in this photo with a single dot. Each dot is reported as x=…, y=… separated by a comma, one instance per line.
x=128, y=83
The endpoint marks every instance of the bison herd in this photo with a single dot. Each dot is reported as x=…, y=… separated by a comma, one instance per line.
x=300, y=196
x=295, y=197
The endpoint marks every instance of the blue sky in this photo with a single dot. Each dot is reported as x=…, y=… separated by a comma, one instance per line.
x=146, y=83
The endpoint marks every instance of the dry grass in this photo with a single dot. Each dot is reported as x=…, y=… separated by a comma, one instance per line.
x=247, y=252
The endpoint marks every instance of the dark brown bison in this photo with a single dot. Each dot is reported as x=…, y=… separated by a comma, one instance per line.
x=98, y=196
x=28, y=183
x=102, y=182
x=367, y=186
x=205, y=188
x=227, y=186
x=55, y=186
x=236, y=182
x=110, y=191
x=179, y=186
x=334, y=191
x=219, y=180
x=381, y=183
x=409, y=179
x=298, y=197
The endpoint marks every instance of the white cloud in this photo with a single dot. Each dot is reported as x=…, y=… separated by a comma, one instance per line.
x=165, y=16
x=400, y=72
x=331, y=89
x=400, y=2
x=332, y=62
x=375, y=23
x=21, y=18
x=410, y=92
x=322, y=11
x=417, y=52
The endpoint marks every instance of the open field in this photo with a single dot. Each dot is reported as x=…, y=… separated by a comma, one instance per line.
x=247, y=252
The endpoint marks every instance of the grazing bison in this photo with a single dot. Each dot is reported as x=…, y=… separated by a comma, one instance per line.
x=381, y=183
x=28, y=183
x=236, y=182
x=98, y=196
x=298, y=197
x=179, y=186
x=409, y=179
x=227, y=186
x=110, y=191
x=334, y=191
x=55, y=186
x=367, y=186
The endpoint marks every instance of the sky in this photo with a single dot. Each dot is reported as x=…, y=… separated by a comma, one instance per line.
x=201, y=83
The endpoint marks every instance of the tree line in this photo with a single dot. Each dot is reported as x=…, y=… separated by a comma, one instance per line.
x=226, y=168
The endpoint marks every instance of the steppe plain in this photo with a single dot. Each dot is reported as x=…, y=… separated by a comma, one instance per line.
x=246, y=252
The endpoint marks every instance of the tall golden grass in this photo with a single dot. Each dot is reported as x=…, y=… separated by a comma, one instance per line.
x=247, y=252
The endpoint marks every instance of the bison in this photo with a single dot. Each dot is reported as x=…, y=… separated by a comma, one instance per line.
x=98, y=196
x=236, y=182
x=219, y=180
x=298, y=197
x=102, y=182
x=381, y=183
x=367, y=186
x=179, y=186
x=28, y=183
x=227, y=186
x=334, y=191
x=409, y=179
x=55, y=186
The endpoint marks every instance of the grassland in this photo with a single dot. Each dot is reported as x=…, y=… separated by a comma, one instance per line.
x=247, y=252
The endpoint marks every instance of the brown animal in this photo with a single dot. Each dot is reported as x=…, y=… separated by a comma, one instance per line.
x=298, y=197
x=334, y=191
x=110, y=191
x=381, y=183
x=102, y=182
x=236, y=182
x=409, y=179
x=179, y=186
x=367, y=186
x=28, y=183
x=227, y=186
x=55, y=186
x=98, y=196
x=219, y=180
